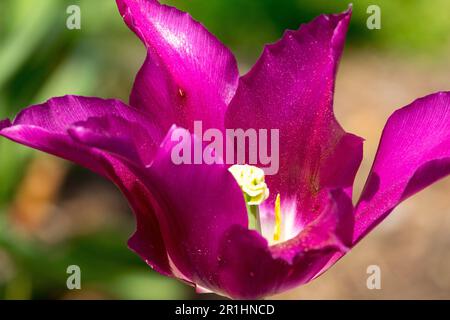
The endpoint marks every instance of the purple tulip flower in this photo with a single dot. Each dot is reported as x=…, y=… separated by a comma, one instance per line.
x=192, y=220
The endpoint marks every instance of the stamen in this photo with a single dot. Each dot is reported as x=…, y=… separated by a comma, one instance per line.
x=277, y=231
x=251, y=181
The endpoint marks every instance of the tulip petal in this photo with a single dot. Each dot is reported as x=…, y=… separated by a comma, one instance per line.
x=127, y=139
x=291, y=89
x=414, y=152
x=188, y=74
x=203, y=220
x=195, y=205
x=249, y=269
x=44, y=127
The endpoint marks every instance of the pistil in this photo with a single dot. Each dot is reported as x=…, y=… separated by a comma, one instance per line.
x=251, y=181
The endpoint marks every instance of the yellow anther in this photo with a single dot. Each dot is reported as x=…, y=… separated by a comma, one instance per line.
x=277, y=231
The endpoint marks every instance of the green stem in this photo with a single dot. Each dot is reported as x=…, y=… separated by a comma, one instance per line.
x=254, y=222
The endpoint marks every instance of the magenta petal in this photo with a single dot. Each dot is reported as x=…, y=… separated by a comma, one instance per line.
x=44, y=127
x=196, y=205
x=414, y=152
x=291, y=89
x=249, y=269
x=188, y=74
x=135, y=141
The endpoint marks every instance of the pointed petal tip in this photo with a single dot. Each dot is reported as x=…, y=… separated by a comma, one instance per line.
x=343, y=15
x=201, y=290
x=197, y=69
x=413, y=153
x=339, y=18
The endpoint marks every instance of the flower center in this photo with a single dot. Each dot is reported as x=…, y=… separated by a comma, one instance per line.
x=251, y=181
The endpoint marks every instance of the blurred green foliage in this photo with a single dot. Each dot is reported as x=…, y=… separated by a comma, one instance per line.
x=107, y=267
x=41, y=58
x=407, y=26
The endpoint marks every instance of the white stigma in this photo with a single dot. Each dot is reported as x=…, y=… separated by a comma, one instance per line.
x=251, y=181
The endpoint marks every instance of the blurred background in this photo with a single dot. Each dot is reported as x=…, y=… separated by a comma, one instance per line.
x=50, y=218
